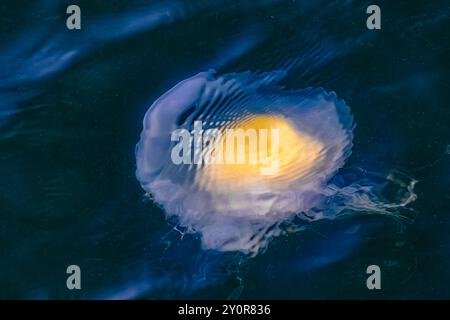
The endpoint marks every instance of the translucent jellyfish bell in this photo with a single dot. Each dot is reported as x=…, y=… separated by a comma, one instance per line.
x=235, y=206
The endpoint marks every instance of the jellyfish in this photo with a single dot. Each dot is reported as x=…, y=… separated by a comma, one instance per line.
x=241, y=206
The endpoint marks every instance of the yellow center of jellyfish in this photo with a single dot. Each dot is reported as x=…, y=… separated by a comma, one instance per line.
x=260, y=152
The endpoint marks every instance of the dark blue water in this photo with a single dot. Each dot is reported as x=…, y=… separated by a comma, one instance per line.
x=71, y=110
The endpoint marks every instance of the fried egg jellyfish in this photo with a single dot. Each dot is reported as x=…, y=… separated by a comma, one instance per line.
x=233, y=206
